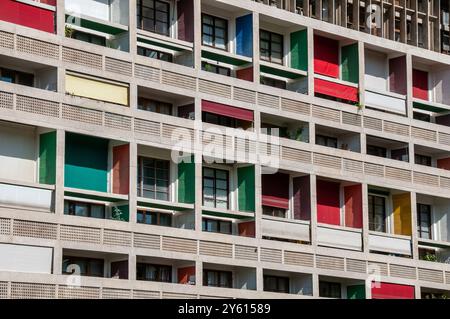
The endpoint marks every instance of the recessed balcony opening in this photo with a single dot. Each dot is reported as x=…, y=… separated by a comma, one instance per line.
x=228, y=198
x=338, y=138
x=94, y=264
x=431, y=84
x=339, y=214
x=381, y=147
x=287, y=282
x=390, y=221
x=155, y=101
x=286, y=206
x=165, y=189
x=431, y=157
x=385, y=80
x=433, y=229
x=227, y=115
x=283, y=54
x=27, y=73
x=165, y=270
x=166, y=30
x=430, y=293
x=100, y=22
x=336, y=69
x=341, y=288
x=284, y=127
x=27, y=166
x=225, y=276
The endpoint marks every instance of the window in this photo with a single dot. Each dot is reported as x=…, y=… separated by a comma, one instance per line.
x=401, y=154
x=91, y=267
x=154, y=54
x=84, y=209
x=215, y=278
x=87, y=37
x=154, y=218
x=326, y=141
x=153, y=178
x=150, y=272
x=273, y=83
x=225, y=121
x=271, y=47
x=16, y=77
x=376, y=151
x=424, y=221
x=216, y=226
x=153, y=15
x=215, y=188
x=329, y=289
x=422, y=160
x=274, y=211
x=215, y=69
x=422, y=117
x=276, y=284
x=214, y=32
x=377, y=213
x=154, y=106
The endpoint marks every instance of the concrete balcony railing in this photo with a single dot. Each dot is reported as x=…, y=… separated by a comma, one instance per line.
x=389, y=243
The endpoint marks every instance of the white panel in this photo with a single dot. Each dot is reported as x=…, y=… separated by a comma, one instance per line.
x=339, y=238
x=17, y=153
x=285, y=229
x=95, y=8
x=26, y=258
x=25, y=196
x=390, y=244
x=385, y=102
x=376, y=70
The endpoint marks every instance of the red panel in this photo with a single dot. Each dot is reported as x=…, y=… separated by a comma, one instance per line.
x=121, y=168
x=302, y=198
x=420, y=84
x=337, y=90
x=27, y=15
x=226, y=110
x=397, y=75
x=353, y=206
x=185, y=10
x=245, y=74
x=247, y=229
x=184, y=274
x=444, y=163
x=392, y=291
x=275, y=190
x=328, y=211
x=326, y=56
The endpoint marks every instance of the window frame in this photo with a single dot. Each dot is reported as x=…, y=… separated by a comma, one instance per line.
x=159, y=271
x=327, y=139
x=213, y=35
x=158, y=105
x=140, y=17
x=216, y=68
x=158, y=53
x=17, y=77
x=274, y=211
x=270, y=50
x=75, y=260
x=331, y=286
x=277, y=279
x=378, y=148
x=214, y=187
x=219, y=274
x=157, y=215
x=140, y=178
x=71, y=209
x=420, y=230
x=419, y=159
x=385, y=222
x=219, y=222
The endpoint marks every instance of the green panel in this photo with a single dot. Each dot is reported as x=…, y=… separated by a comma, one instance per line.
x=186, y=181
x=161, y=45
x=121, y=213
x=223, y=58
x=299, y=50
x=246, y=188
x=278, y=72
x=356, y=292
x=100, y=27
x=47, y=158
x=349, y=63
x=429, y=108
x=86, y=162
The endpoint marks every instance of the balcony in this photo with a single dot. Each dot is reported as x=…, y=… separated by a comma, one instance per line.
x=165, y=270
x=217, y=276
x=338, y=138
x=339, y=237
x=341, y=288
x=283, y=127
x=287, y=282
x=382, y=147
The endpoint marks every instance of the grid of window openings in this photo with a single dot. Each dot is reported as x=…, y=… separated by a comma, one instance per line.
x=214, y=32
x=215, y=188
x=377, y=213
x=271, y=46
x=153, y=178
x=153, y=16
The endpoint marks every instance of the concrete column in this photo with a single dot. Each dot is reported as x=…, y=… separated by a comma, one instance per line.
x=57, y=259
x=132, y=29
x=315, y=285
x=132, y=265
x=256, y=72
x=417, y=292
x=365, y=217
x=258, y=201
x=198, y=273
x=310, y=35
x=259, y=279
x=362, y=70
x=59, y=180
x=313, y=183
x=415, y=244
x=197, y=34
x=60, y=18
x=409, y=84
x=133, y=182
x=363, y=143
x=133, y=95
x=411, y=153
x=198, y=160
x=368, y=286
x=312, y=133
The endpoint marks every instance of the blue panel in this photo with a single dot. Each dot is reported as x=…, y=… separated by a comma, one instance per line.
x=244, y=35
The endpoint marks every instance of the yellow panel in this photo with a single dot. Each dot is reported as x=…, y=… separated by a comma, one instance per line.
x=402, y=214
x=96, y=89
